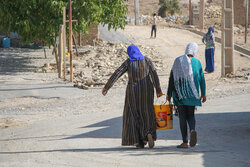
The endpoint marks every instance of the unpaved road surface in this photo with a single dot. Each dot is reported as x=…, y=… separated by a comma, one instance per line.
x=47, y=122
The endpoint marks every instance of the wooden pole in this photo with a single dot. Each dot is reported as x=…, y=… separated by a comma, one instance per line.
x=190, y=13
x=64, y=42
x=80, y=38
x=74, y=40
x=60, y=52
x=201, y=18
x=70, y=42
x=56, y=56
x=246, y=26
x=44, y=52
x=136, y=12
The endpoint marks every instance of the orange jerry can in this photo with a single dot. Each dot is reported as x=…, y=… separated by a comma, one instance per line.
x=164, y=116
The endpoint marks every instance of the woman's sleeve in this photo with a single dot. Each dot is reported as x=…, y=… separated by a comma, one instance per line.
x=213, y=40
x=203, y=38
x=202, y=82
x=117, y=74
x=154, y=76
x=170, y=84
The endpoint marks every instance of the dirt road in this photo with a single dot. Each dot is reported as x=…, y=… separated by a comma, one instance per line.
x=73, y=127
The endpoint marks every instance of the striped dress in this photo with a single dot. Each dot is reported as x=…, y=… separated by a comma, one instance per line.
x=138, y=114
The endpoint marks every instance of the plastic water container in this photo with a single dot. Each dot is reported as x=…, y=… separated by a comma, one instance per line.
x=164, y=116
x=6, y=42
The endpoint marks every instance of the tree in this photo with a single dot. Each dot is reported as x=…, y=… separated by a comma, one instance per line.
x=170, y=6
x=39, y=20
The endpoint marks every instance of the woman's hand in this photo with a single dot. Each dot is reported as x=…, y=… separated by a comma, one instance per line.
x=159, y=94
x=203, y=99
x=104, y=91
x=168, y=98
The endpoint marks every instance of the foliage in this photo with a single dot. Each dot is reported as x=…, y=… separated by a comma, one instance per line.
x=170, y=6
x=39, y=20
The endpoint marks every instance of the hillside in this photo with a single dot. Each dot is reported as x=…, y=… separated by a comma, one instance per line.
x=148, y=7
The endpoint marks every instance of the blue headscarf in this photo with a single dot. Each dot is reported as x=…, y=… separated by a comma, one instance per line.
x=134, y=53
x=210, y=30
x=209, y=35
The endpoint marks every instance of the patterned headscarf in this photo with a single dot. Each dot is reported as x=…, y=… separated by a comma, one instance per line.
x=209, y=34
x=210, y=30
x=183, y=74
x=134, y=53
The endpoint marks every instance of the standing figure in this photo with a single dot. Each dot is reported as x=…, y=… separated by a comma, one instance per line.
x=186, y=78
x=139, y=126
x=153, y=26
x=209, y=40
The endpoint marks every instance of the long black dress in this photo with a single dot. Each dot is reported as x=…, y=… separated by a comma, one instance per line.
x=138, y=114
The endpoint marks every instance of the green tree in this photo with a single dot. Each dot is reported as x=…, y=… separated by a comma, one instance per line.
x=39, y=20
x=170, y=6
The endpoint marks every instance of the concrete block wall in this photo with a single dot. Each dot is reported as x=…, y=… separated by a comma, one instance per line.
x=86, y=39
x=240, y=12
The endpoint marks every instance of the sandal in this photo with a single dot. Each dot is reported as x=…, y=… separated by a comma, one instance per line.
x=140, y=145
x=193, y=138
x=151, y=142
x=183, y=145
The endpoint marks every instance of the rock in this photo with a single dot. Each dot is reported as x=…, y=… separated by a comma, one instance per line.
x=89, y=82
x=84, y=87
x=79, y=84
x=68, y=70
x=47, y=65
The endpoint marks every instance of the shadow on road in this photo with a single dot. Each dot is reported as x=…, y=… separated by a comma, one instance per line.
x=128, y=150
x=223, y=140
x=13, y=61
x=38, y=88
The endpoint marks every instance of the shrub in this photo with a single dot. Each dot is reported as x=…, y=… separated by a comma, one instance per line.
x=169, y=6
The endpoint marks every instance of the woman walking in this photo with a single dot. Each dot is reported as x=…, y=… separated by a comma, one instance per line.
x=139, y=125
x=186, y=78
x=209, y=40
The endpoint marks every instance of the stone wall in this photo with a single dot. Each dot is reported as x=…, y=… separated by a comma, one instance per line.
x=240, y=12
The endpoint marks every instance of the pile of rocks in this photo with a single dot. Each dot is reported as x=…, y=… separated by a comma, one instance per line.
x=146, y=19
x=96, y=64
x=213, y=12
x=238, y=29
x=177, y=19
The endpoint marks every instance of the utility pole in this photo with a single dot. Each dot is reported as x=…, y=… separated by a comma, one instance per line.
x=137, y=13
x=227, y=38
x=190, y=13
x=201, y=18
x=246, y=26
x=70, y=42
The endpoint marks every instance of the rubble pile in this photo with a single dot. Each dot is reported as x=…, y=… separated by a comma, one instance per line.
x=243, y=73
x=238, y=29
x=97, y=64
x=177, y=19
x=212, y=16
x=213, y=12
x=146, y=19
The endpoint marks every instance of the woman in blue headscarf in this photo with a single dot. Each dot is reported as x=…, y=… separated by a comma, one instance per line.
x=139, y=125
x=209, y=40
